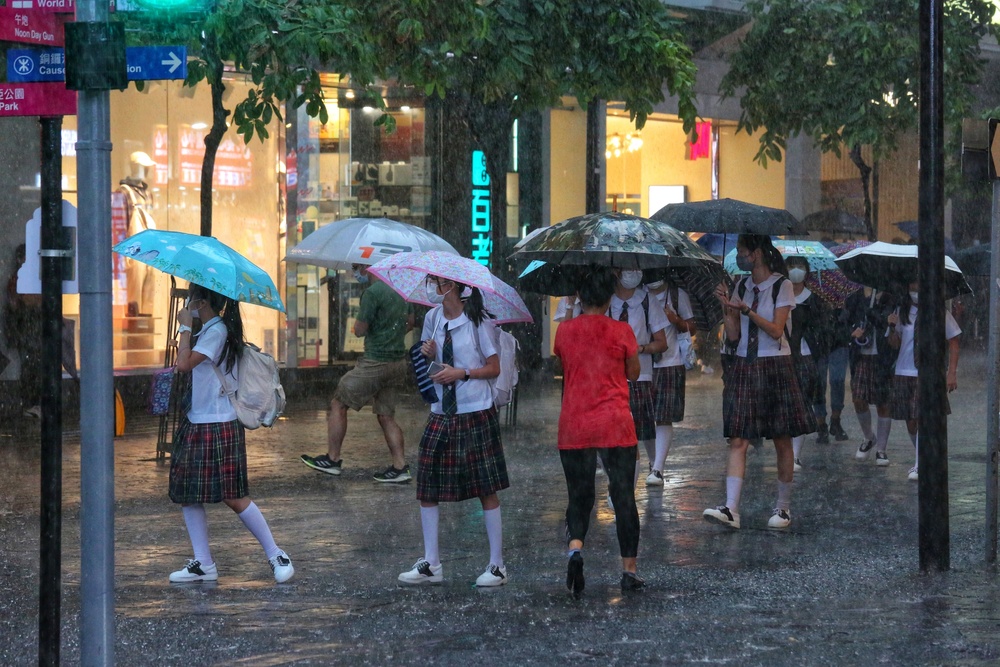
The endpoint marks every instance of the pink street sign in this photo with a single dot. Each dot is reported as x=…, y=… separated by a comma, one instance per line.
x=30, y=27
x=37, y=99
x=45, y=6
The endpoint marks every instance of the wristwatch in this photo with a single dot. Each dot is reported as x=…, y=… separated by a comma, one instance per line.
x=182, y=328
x=745, y=310
x=468, y=375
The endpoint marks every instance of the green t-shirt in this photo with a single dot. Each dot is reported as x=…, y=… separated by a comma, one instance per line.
x=386, y=314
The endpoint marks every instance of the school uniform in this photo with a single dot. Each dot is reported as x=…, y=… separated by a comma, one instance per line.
x=905, y=398
x=461, y=454
x=761, y=396
x=208, y=463
x=669, y=373
x=634, y=312
x=871, y=364
x=805, y=363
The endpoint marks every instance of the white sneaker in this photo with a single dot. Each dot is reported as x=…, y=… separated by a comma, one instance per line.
x=864, y=449
x=881, y=459
x=912, y=475
x=655, y=478
x=281, y=566
x=780, y=519
x=797, y=466
x=194, y=571
x=722, y=515
x=422, y=573
x=493, y=576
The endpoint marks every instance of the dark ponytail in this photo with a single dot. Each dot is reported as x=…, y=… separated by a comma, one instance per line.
x=473, y=305
x=229, y=311
x=772, y=258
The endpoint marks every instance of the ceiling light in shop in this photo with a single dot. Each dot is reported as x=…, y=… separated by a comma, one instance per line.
x=404, y=108
x=349, y=94
x=618, y=144
x=199, y=126
x=368, y=109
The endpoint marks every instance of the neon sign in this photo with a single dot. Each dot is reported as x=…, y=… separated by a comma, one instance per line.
x=482, y=243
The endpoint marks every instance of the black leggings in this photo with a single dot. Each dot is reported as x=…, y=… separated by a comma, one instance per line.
x=580, y=465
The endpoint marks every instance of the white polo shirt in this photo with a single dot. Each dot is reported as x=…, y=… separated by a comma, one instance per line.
x=672, y=357
x=472, y=395
x=637, y=320
x=209, y=403
x=766, y=346
x=905, y=363
x=562, y=308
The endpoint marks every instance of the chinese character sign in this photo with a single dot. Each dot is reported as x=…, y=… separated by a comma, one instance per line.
x=482, y=244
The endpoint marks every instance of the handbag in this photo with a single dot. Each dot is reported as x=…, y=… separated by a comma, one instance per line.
x=159, y=391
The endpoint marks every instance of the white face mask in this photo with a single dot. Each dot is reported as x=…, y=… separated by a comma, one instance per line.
x=797, y=275
x=655, y=285
x=360, y=277
x=195, y=315
x=913, y=296
x=433, y=296
x=630, y=279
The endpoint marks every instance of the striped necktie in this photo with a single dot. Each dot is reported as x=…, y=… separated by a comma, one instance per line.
x=753, y=332
x=449, y=402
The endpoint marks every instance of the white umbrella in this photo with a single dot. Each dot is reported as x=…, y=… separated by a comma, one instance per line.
x=338, y=245
x=891, y=268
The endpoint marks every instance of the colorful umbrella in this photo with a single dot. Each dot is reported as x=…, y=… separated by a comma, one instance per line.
x=205, y=261
x=818, y=256
x=338, y=245
x=729, y=216
x=407, y=272
x=611, y=239
x=890, y=268
x=844, y=248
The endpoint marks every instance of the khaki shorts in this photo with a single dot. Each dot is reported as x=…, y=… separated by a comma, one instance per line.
x=372, y=382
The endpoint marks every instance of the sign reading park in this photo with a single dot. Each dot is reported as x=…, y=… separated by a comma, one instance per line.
x=36, y=99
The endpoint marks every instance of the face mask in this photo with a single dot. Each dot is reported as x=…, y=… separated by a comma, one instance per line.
x=913, y=296
x=797, y=275
x=630, y=279
x=744, y=263
x=195, y=315
x=655, y=285
x=360, y=277
x=433, y=296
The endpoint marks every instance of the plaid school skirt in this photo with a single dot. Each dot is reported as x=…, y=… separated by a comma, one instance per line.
x=668, y=394
x=867, y=384
x=904, y=403
x=461, y=457
x=208, y=463
x=805, y=368
x=640, y=402
x=762, y=399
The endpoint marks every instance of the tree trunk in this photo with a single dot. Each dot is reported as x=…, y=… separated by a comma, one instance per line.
x=215, y=135
x=866, y=173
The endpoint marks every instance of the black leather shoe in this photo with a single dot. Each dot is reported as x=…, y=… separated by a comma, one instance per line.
x=574, y=575
x=822, y=435
x=837, y=431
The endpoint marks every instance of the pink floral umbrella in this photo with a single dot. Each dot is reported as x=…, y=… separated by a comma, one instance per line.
x=407, y=273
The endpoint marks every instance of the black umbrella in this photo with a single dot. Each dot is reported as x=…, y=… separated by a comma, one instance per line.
x=891, y=268
x=729, y=216
x=974, y=260
x=834, y=221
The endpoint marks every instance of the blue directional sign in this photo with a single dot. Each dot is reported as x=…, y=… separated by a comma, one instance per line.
x=145, y=63
x=28, y=65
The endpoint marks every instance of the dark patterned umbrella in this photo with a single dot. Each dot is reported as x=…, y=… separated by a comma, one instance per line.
x=699, y=282
x=612, y=239
x=729, y=216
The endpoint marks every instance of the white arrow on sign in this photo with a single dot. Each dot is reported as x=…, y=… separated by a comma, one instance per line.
x=174, y=62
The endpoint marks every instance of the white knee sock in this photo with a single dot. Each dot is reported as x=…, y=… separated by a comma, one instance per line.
x=197, y=525
x=865, y=419
x=494, y=533
x=734, y=487
x=257, y=524
x=650, y=446
x=664, y=436
x=429, y=525
x=784, y=496
x=797, y=445
x=882, y=439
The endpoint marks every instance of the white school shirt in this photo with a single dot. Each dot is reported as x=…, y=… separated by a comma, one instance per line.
x=766, y=346
x=472, y=395
x=637, y=320
x=209, y=403
x=672, y=357
x=871, y=349
x=562, y=308
x=905, y=363
x=801, y=298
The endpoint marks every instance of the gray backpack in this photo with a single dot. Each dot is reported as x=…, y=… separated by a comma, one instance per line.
x=259, y=398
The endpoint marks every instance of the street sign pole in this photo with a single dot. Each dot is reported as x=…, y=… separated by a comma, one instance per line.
x=97, y=422
x=932, y=444
x=993, y=363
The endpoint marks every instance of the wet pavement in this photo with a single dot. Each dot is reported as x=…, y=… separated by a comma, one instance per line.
x=841, y=587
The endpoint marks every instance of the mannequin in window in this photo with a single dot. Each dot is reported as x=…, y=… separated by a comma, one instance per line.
x=139, y=277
